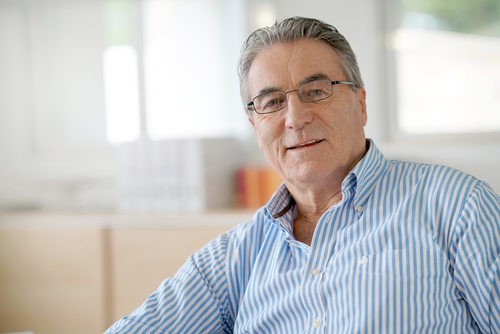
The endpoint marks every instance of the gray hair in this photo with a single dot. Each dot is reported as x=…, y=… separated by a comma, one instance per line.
x=292, y=30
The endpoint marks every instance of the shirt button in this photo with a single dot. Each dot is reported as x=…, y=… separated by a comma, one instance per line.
x=315, y=271
x=316, y=323
x=360, y=209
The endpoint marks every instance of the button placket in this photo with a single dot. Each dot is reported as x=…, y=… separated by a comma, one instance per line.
x=318, y=260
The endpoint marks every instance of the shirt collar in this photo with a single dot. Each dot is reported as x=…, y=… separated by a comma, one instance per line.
x=281, y=202
x=363, y=178
x=367, y=173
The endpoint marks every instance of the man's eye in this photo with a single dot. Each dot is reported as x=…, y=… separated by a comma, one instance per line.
x=314, y=94
x=272, y=103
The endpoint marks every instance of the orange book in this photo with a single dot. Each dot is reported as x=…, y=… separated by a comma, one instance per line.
x=270, y=181
x=252, y=187
x=242, y=194
x=256, y=185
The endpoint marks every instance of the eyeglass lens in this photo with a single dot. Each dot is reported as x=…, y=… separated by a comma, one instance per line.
x=309, y=92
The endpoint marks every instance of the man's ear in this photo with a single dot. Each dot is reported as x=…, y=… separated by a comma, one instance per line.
x=250, y=119
x=361, y=97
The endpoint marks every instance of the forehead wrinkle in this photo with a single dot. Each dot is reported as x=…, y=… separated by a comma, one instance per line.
x=316, y=73
x=283, y=59
x=291, y=66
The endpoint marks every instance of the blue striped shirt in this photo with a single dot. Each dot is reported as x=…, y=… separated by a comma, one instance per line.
x=411, y=248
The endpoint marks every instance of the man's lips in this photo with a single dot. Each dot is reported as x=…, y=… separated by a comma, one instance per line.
x=307, y=143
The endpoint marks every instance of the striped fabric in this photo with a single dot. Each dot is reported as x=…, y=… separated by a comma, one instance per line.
x=411, y=248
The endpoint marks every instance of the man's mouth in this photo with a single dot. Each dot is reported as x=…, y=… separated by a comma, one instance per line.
x=309, y=143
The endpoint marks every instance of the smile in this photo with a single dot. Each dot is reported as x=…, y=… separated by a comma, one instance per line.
x=309, y=143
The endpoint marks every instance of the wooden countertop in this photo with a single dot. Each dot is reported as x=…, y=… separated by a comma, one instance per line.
x=86, y=220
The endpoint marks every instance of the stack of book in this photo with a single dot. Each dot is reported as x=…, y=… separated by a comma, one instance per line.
x=256, y=185
x=177, y=175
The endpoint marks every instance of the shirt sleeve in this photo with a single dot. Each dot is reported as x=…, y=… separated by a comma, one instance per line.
x=193, y=301
x=476, y=248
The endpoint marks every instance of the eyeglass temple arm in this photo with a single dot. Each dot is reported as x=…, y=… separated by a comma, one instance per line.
x=344, y=82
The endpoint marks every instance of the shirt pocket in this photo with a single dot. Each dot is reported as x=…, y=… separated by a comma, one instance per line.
x=399, y=263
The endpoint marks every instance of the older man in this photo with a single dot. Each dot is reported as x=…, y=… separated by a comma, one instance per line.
x=351, y=242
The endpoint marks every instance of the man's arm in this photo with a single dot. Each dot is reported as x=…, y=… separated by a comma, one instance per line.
x=476, y=252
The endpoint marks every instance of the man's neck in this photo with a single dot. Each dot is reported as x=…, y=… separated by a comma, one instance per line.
x=310, y=210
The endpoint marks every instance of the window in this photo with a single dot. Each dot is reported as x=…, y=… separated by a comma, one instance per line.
x=78, y=75
x=447, y=66
x=121, y=88
x=188, y=54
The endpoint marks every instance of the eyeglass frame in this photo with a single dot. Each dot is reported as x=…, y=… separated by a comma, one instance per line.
x=252, y=104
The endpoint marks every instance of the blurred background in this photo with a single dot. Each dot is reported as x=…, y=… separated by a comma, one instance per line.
x=124, y=145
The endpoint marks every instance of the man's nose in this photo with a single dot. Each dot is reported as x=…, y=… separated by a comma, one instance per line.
x=298, y=113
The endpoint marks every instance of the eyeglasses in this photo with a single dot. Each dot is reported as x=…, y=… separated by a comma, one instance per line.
x=313, y=91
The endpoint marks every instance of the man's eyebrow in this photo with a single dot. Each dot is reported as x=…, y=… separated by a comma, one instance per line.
x=268, y=90
x=314, y=77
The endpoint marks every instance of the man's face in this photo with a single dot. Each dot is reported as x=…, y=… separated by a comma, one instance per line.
x=308, y=142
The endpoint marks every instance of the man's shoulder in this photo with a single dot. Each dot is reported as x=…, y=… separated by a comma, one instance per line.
x=438, y=187
x=430, y=172
x=255, y=228
x=240, y=243
x=433, y=178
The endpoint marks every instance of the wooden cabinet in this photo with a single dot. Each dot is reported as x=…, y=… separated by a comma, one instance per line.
x=83, y=278
x=51, y=281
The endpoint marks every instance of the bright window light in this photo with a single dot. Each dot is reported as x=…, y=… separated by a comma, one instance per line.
x=447, y=67
x=447, y=82
x=265, y=16
x=121, y=94
x=189, y=66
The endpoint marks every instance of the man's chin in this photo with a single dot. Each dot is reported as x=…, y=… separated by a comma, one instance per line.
x=307, y=173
